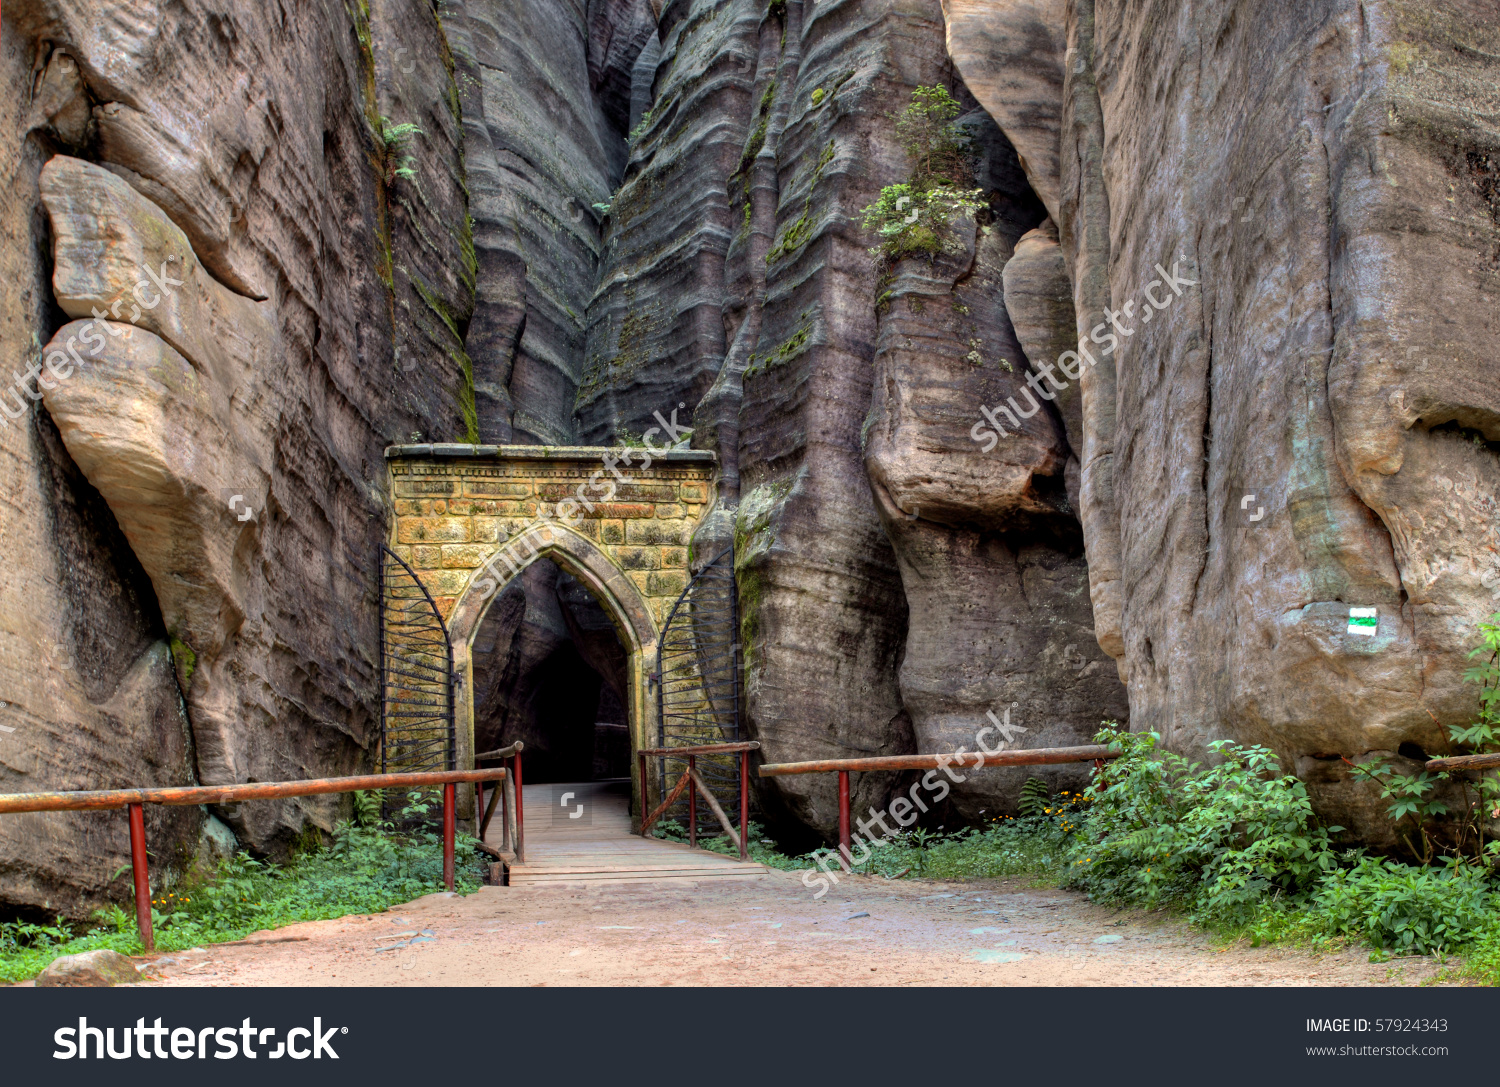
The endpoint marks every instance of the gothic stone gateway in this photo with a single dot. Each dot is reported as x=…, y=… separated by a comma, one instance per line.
x=468, y=518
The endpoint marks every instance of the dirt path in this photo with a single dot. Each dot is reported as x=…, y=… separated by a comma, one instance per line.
x=771, y=931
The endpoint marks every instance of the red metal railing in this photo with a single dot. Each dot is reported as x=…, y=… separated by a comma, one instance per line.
x=135, y=801
x=1040, y=756
x=694, y=785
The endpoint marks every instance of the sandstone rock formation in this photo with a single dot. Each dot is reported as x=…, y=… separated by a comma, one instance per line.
x=241, y=141
x=1327, y=358
x=1273, y=228
x=92, y=969
x=884, y=608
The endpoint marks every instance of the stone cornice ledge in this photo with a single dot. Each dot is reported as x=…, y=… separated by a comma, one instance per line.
x=542, y=452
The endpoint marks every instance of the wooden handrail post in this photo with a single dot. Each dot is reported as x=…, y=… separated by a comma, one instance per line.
x=844, y=847
x=645, y=802
x=142, y=877
x=449, y=812
x=496, y=795
x=507, y=836
x=744, y=805
x=692, y=809
x=520, y=816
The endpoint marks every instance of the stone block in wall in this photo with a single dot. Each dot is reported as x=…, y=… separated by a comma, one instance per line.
x=465, y=556
x=655, y=532
x=433, y=530
x=637, y=558
x=666, y=584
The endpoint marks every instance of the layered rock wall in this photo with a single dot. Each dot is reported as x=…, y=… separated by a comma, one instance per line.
x=201, y=497
x=1308, y=193
x=737, y=283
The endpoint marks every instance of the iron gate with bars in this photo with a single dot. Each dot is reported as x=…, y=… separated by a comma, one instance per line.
x=697, y=678
x=416, y=658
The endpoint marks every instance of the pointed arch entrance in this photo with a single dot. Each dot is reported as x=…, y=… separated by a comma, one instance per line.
x=616, y=593
x=468, y=519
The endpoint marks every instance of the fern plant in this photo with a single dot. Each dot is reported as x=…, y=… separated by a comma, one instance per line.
x=395, y=139
x=1036, y=797
x=367, y=808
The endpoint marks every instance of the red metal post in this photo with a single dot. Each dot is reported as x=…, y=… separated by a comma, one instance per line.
x=645, y=801
x=448, y=828
x=692, y=806
x=520, y=816
x=844, y=846
x=142, y=879
x=744, y=805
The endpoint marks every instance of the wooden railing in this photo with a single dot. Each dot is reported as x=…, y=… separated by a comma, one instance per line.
x=691, y=782
x=513, y=808
x=135, y=800
x=967, y=760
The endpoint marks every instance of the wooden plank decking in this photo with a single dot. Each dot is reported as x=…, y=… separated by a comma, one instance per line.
x=597, y=846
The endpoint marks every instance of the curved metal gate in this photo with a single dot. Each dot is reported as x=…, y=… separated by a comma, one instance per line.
x=416, y=659
x=698, y=680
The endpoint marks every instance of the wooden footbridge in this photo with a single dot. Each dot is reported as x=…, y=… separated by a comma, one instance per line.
x=581, y=834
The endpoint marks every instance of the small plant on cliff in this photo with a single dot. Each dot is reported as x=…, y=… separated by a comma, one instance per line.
x=640, y=128
x=914, y=217
x=394, y=140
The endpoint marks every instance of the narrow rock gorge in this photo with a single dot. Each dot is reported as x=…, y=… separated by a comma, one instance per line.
x=1239, y=260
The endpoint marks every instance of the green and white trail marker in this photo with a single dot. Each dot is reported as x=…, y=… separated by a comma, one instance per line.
x=1363, y=621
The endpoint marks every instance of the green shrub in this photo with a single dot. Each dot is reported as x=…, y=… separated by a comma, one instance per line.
x=913, y=218
x=1217, y=840
x=1425, y=823
x=1406, y=909
x=363, y=870
x=916, y=222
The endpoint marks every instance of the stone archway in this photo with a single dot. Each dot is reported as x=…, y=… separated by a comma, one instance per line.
x=468, y=519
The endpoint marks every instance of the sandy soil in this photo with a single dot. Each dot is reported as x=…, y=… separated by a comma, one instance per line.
x=771, y=931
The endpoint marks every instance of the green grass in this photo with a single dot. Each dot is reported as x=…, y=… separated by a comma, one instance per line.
x=1005, y=848
x=763, y=851
x=363, y=870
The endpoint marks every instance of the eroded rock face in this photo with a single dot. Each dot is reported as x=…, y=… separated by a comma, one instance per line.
x=736, y=280
x=545, y=102
x=272, y=368
x=1000, y=649
x=1326, y=357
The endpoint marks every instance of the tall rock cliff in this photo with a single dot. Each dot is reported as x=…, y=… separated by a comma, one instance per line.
x=897, y=585
x=1228, y=290
x=1285, y=215
x=238, y=301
